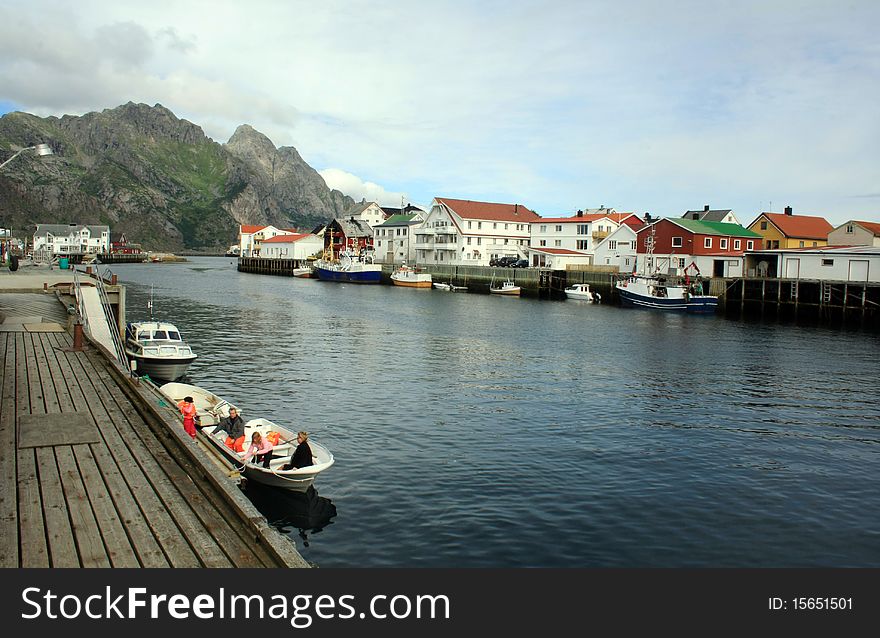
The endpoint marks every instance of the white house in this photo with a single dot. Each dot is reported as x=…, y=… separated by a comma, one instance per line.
x=250, y=237
x=459, y=231
x=855, y=233
x=617, y=249
x=285, y=246
x=577, y=234
x=858, y=264
x=369, y=212
x=394, y=240
x=71, y=239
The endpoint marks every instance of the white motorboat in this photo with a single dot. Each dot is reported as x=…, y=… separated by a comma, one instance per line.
x=158, y=349
x=411, y=277
x=582, y=292
x=211, y=408
x=507, y=288
x=448, y=287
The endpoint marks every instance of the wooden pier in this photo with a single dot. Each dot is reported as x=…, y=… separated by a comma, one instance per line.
x=95, y=475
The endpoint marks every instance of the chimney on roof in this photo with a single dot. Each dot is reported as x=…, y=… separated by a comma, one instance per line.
x=647, y=217
x=788, y=210
x=601, y=206
x=706, y=208
x=580, y=213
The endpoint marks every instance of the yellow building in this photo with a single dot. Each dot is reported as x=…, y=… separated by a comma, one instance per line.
x=785, y=230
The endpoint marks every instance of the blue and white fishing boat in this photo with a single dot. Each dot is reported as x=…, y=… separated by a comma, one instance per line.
x=351, y=268
x=658, y=293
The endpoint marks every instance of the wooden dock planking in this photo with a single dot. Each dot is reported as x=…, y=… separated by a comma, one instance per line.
x=84, y=525
x=8, y=497
x=212, y=513
x=198, y=519
x=34, y=550
x=62, y=545
x=115, y=460
x=133, y=498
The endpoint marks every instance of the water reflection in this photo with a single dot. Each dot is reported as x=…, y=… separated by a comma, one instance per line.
x=307, y=512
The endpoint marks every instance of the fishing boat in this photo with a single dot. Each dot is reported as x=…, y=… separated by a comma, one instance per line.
x=211, y=409
x=506, y=288
x=303, y=273
x=582, y=292
x=448, y=287
x=158, y=349
x=661, y=293
x=411, y=277
x=351, y=268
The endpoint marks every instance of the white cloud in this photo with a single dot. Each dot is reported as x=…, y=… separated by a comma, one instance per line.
x=358, y=189
x=640, y=105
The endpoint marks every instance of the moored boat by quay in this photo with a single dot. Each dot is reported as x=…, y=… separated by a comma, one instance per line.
x=658, y=293
x=582, y=292
x=350, y=268
x=158, y=349
x=411, y=277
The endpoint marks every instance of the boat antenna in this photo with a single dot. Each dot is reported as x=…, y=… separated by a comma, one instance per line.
x=150, y=303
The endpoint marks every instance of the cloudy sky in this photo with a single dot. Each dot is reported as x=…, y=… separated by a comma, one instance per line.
x=658, y=106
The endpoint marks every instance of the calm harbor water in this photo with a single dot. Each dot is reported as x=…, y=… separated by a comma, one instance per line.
x=476, y=431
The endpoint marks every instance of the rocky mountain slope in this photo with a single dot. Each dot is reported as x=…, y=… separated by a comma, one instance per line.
x=157, y=178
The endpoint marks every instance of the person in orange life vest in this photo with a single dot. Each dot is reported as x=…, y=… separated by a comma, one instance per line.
x=190, y=418
x=262, y=448
x=234, y=428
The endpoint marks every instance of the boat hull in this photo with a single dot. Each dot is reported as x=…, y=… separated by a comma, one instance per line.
x=166, y=369
x=697, y=304
x=510, y=292
x=412, y=283
x=349, y=276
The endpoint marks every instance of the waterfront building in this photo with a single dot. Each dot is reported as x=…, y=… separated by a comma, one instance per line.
x=395, y=240
x=786, y=230
x=855, y=233
x=119, y=245
x=458, y=231
x=299, y=247
x=724, y=215
x=857, y=264
x=368, y=212
x=347, y=234
x=715, y=248
x=573, y=239
x=618, y=248
x=71, y=239
x=251, y=237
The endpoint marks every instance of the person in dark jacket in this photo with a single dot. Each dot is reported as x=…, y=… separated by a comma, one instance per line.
x=234, y=428
x=302, y=455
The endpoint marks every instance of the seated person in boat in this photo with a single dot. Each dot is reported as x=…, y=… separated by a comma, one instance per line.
x=302, y=455
x=260, y=447
x=234, y=428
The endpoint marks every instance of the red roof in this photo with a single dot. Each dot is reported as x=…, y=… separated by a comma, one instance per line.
x=874, y=227
x=633, y=221
x=279, y=239
x=800, y=226
x=467, y=209
x=250, y=230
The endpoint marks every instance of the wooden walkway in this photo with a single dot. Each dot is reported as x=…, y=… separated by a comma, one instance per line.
x=86, y=482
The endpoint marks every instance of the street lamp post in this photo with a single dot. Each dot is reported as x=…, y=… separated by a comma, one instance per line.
x=41, y=149
x=6, y=257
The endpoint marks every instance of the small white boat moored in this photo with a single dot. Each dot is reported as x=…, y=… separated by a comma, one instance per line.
x=507, y=288
x=582, y=292
x=211, y=409
x=158, y=349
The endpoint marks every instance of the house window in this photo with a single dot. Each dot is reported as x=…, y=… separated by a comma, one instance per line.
x=505, y=241
x=849, y=229
x=505, y=226
x=469, y=225
x=827, y=262
x=495, y=225
x=763, y=225
x=469, y=241
x=557, y=243
x=612, y=245
x=583, y=229
x=479, y=225
x=479, y=240
x=582, y=244
x=543, y=242
x=676, y=242
x=707, y=242
x=800, y=244
x=681, y=262
x=723, y=242
x=815, y=244
x=543, y=228
x=559, y=228
x=736, y=244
